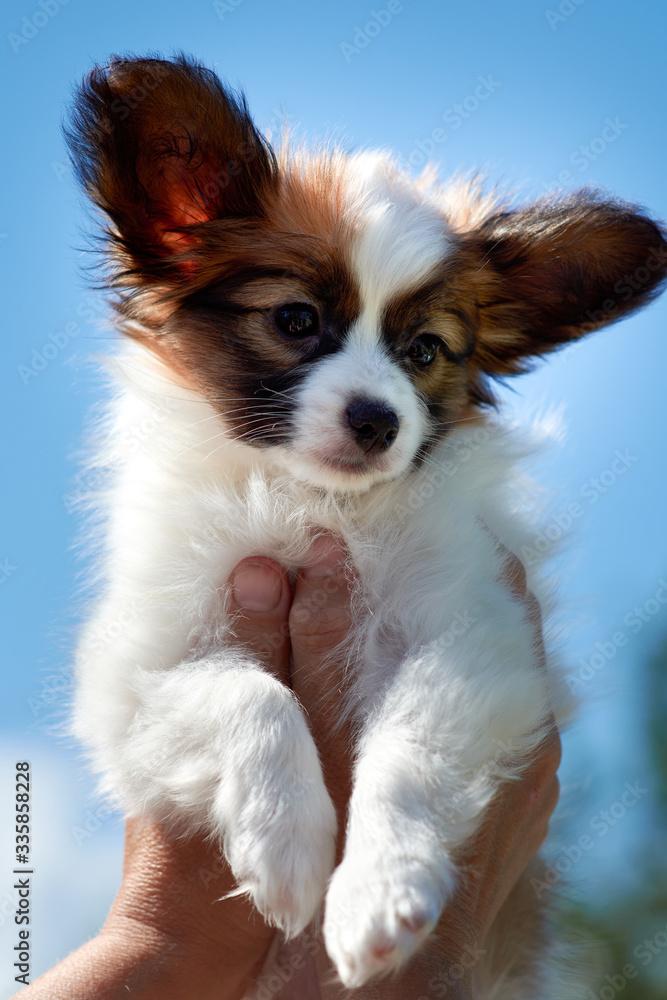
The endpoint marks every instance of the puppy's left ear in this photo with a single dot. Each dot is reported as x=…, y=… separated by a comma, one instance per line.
x=549, y=273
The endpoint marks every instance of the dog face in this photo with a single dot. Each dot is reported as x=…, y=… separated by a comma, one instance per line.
x=338, y=351
x=334, y=311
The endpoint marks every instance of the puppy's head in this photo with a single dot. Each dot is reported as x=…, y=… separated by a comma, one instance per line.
x=331, y=309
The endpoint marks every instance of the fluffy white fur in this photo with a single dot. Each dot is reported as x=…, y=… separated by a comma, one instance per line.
x=399, y=238
x=185, y=727
x=182, y=723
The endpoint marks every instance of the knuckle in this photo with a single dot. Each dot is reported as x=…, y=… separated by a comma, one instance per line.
x=319, y=628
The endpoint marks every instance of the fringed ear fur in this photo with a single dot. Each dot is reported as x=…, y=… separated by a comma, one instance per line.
x=549, y=273
x=174, y=160
x=163, y=149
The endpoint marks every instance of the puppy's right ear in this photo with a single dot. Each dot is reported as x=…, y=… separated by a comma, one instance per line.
x=165, y=151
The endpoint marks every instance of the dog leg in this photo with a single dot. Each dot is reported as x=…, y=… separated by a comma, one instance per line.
x=221, y=746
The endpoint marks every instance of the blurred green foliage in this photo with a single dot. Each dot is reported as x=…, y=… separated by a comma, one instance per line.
x=628, y=937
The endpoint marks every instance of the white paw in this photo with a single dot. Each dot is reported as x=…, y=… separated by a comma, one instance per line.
x=285, y=864
x=378, y=913
x=277, y=821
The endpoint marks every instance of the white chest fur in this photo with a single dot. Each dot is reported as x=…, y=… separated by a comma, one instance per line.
x=442, y=656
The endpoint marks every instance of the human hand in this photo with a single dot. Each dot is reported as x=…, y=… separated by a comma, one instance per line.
x=513, y=830
x=174, y=932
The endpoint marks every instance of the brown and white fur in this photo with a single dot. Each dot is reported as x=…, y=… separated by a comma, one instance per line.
x=312, y=338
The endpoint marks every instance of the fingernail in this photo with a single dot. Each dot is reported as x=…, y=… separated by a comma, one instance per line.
x=327, y=557
x=257, y=587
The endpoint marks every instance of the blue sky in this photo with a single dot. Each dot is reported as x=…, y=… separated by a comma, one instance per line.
x=536, y=94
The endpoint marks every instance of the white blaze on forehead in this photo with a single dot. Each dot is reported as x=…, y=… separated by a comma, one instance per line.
x=398, y=237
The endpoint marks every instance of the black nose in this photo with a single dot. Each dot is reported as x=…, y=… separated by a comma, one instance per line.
x=375, y=426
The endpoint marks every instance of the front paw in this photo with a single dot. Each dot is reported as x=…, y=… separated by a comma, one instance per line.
x=283, y=860
x=274, y=814
x=379, y=911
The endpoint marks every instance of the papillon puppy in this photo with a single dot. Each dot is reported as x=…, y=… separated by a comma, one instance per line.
x=311, y=340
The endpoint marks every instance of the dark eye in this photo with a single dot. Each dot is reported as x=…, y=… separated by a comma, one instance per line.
x=422, y=350
x=297, y=320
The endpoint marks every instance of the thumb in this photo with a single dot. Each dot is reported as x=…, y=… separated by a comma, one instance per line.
x=259, y=602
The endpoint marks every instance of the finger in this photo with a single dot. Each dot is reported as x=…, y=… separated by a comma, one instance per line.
x=540, y=789
x=259, y=602
x=512, y=832
x=320, y=616
x=320, y=621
